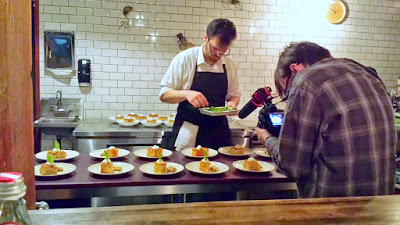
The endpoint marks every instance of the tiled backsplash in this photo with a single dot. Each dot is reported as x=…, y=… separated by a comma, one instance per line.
x=128, y=64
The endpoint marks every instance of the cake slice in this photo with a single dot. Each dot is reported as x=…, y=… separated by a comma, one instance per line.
x=198, y=151
x=49, y=168
x=251, y=164
x=154, y=151
x=236, y=150
x=160, y=166
x=106, y=165
x=112, y=152
x=57, y=153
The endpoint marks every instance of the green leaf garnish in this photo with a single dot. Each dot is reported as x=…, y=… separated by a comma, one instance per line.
x=159, y=155
x=56, y=144
x=107, y=155
x=205, y=154
x=50, y=158
x=219, y=109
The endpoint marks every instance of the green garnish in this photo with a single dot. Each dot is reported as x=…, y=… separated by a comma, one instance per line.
x=205, y=155
x=50, y=158
x=220, y=109
x=159, y=155
x=56, y=144
x=107, y=155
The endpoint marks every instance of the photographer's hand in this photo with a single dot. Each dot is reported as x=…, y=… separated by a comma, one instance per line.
x=262, y=135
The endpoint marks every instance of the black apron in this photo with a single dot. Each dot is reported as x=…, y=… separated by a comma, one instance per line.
x=213, y=131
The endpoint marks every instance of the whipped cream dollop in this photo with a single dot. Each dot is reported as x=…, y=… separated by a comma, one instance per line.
x=251, y=159
x=56, y=150
x=106, y=160
x=155, y=147
x=198, y=147
x=48, y=163
x=111, y=147
x=160, y=161
x=205, y=160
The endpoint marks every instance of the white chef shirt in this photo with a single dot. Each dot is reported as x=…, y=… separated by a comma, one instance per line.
x=180, y=73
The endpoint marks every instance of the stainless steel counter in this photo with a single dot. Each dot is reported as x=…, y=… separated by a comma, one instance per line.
x=92, y=134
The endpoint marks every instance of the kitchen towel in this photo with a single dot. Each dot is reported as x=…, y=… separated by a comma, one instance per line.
x=187, y=136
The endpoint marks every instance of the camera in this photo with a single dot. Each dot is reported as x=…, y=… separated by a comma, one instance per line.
x=269, y=118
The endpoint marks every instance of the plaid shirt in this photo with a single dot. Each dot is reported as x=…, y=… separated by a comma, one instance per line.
x=338, y=137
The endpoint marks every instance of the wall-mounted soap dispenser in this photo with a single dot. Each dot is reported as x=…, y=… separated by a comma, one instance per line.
x=84, y=72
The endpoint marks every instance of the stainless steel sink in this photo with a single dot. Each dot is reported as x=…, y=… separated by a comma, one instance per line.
x=67, y=122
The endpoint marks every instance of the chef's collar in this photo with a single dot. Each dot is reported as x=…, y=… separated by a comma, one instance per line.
x=200, y=58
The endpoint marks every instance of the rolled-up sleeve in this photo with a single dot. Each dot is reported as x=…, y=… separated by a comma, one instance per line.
x=233, y=82
x=173, y=77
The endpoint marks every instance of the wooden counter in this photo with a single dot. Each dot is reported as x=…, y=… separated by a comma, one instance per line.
x=360, y=210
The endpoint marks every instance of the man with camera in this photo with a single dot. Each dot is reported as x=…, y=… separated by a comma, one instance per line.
x=338, y=135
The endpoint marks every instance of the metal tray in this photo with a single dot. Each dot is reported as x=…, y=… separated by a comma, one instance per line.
x=206, y=111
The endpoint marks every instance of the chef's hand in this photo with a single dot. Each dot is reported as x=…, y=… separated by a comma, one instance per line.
x=262, y=135
x=231, y=104
x=196, y=99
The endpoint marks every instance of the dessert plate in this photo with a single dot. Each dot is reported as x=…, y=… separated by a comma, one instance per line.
x=225, y=151
x=143, y=153
x=112, y=119
x=188, y=152
x=167, y=123
x=67, y=168
x=146, y=124
x=97, y=153
x=195, y=167
x=262, y=152
x=70, y=155
x=148, y=168
x=126, y=124
x=126, y=168
x=265, y=167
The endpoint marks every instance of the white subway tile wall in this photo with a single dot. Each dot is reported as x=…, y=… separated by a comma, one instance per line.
x=128, y=61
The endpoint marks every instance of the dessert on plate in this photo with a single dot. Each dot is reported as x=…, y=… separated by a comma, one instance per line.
x=119, y=117
x=112, y=152
x=132, y=114
x=160, y=166
x=199, y=151
x=57, y=153
x=251, y=164
x=153, y=115
x=107, y=165
x=171, y=121
x=163, y=118
x=129, y=120
x=151, y=121
x=154, y=151
x=236, y=150
x=205, y=165
x=49, y=168
x=140, y=117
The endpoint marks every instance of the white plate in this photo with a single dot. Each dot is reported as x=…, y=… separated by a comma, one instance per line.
x=143, y=153
x=70, y=155
x=265, y=167
x=195, y=167
x=230, y=112
x=97, y=153
x=67, y=168
x=96, y=168
x=112, y=119
x=166, y=123
x=188, y=152
x=262, y=152
x=144, y=122
x=148, y=168
x=225, y=151
x=125, y=124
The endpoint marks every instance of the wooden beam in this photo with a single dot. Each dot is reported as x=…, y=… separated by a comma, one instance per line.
x=16, y=109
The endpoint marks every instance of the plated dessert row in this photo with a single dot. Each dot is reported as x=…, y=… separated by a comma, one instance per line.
x=150, y=120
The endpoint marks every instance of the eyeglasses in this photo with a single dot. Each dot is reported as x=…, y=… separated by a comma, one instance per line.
x=214, y=50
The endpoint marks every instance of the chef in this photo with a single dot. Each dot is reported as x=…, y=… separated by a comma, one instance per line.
x=198, y=77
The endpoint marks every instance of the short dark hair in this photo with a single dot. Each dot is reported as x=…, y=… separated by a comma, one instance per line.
x=224, y=29
x=303, y=52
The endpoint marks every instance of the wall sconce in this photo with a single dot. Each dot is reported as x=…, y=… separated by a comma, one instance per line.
x=236, y=3
x=126, y=11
